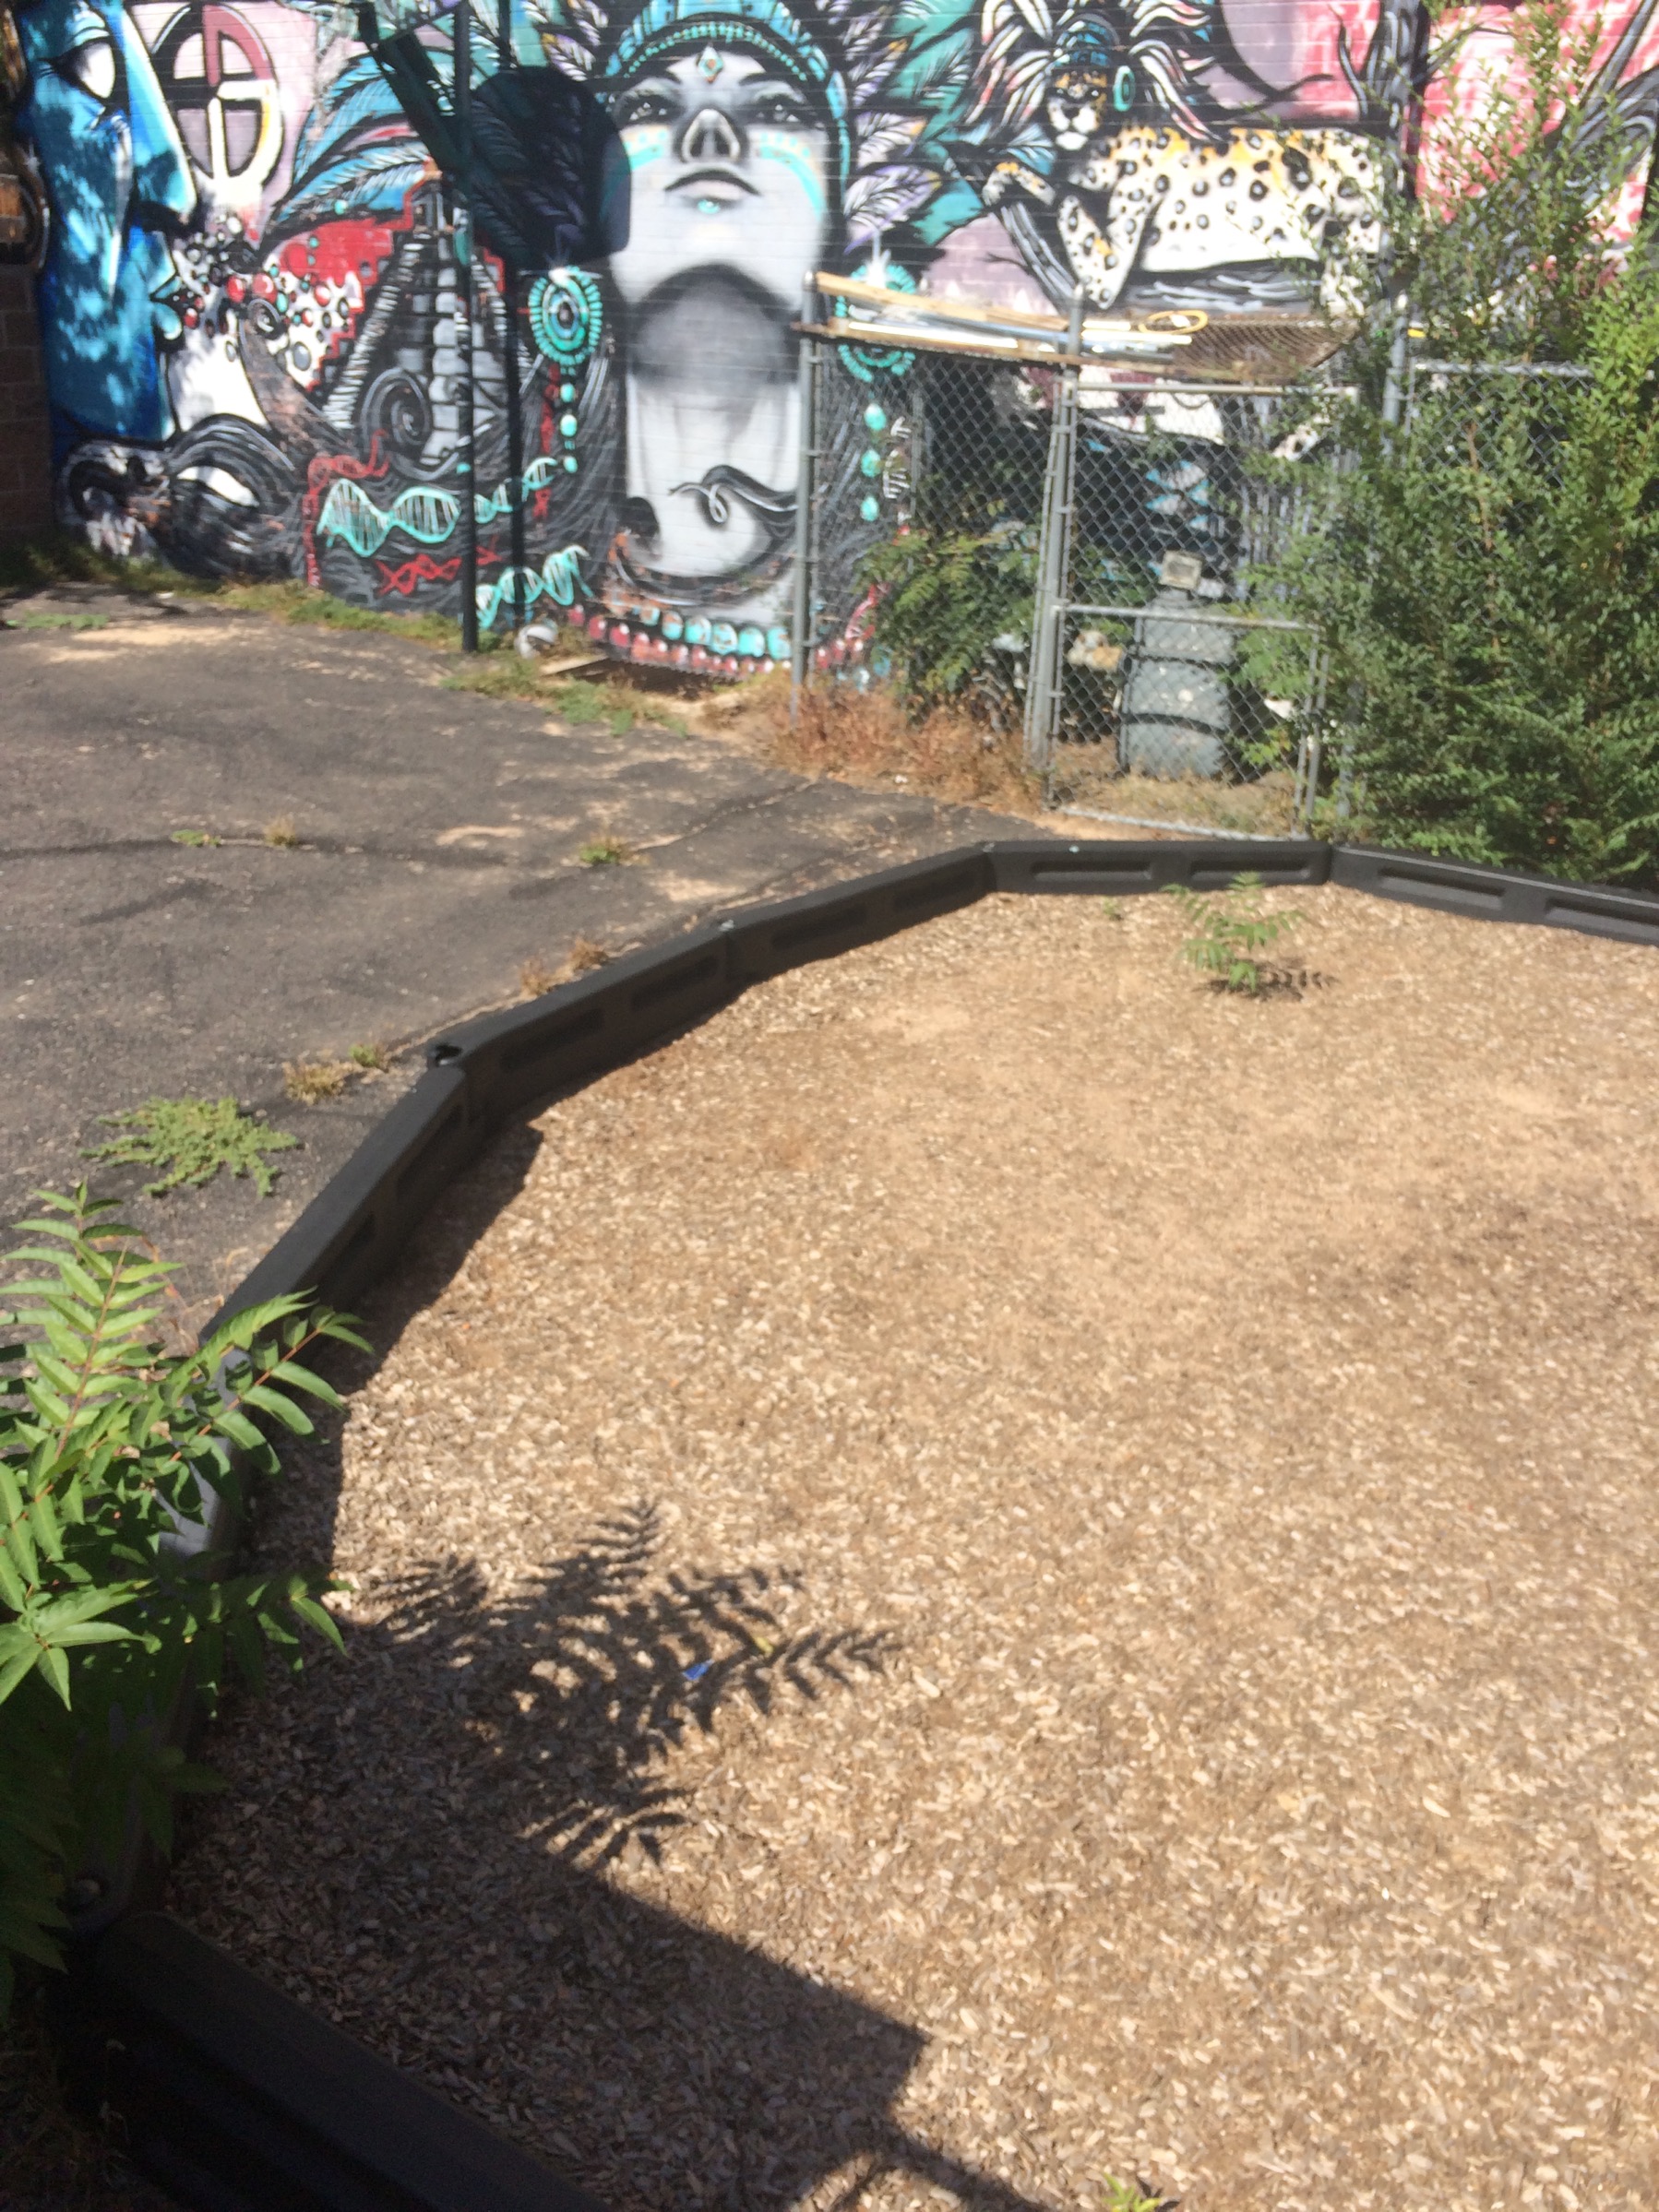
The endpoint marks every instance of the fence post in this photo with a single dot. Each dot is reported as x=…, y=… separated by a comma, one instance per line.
x=466, y=316
x=1394, y=381
x=1054, y=556
x=800, y=643
x=506, y=59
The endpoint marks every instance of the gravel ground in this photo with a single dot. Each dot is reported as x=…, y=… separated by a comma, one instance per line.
x=996, y=1569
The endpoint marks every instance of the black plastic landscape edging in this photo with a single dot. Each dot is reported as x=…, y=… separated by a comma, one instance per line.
x=234, y=2098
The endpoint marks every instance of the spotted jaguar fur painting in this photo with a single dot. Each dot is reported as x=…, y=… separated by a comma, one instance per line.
x=1150, y=198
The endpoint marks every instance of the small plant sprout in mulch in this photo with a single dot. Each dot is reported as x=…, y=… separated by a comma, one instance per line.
x=1231, y=930
x=1135, y=2196
x=606, y=852
x=190, y=1139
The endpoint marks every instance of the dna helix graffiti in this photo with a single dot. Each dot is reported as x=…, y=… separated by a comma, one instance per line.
x=423, y=512
x=559, y=578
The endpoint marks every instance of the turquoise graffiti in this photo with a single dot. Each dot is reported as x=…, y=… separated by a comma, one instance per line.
x=120, y=189
x=249, y=291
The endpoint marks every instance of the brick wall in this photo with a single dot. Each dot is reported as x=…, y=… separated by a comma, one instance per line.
x=25, y=469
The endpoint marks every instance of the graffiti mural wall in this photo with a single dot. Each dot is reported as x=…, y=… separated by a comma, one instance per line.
x=248, y=292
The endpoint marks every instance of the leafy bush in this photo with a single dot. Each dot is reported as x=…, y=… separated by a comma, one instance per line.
x=945, y=594
x=110, y=1614
x=1486, y=576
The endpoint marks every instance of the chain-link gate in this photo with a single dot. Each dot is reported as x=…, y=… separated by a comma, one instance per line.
x=1147, y=674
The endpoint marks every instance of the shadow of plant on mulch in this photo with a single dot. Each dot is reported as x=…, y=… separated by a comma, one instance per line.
x=416, y=1847
x=577, y=1685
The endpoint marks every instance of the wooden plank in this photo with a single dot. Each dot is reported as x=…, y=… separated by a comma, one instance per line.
x=984, y=347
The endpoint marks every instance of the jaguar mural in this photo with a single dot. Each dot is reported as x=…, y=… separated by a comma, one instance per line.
x=248, y=288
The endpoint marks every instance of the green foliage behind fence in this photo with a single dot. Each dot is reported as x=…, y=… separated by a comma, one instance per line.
x=1485, y=575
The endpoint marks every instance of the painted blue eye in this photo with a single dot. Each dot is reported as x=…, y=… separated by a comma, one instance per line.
x=1123, y=89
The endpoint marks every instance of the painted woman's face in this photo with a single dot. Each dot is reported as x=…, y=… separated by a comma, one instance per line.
x=119, y=184
x=729, y=168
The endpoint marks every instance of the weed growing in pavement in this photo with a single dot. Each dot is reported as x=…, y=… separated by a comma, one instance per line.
x=605, y=852
x=581, y=702
x=190, y=1139
x=1230, y=931
x=109, y=1447
x=43, y=621
x=619, y=707
x=59, y=557
x=194, y=837
x=281, y=833
x=585, y=954
x=308, y=1082
x=498, y=676
x=373, y=1058
x=535, y=977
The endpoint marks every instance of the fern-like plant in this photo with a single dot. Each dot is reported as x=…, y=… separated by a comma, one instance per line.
x=111, y=1611
x=944, y=596
x=1230, y=932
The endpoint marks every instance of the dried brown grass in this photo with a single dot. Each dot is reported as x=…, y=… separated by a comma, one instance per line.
x=536, y=977
x=867, y=738
x=309, y=1082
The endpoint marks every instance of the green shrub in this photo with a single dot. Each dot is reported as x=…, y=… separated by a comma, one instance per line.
x=945, y=595
x=108, y=1448
x=1486, y=577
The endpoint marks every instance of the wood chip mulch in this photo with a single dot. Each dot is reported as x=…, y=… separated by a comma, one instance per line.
x=997, y=1568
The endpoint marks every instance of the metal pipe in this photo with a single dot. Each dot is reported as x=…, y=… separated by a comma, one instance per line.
x=1393, y=383
x=800, y=643
x=465, y=318
x=507, y=59
x=1053, y=542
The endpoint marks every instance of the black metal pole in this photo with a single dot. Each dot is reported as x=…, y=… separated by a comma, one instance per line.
x=466, y=301
x=507, y=59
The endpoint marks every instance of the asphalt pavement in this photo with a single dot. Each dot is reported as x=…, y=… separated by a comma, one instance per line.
x=438, y=835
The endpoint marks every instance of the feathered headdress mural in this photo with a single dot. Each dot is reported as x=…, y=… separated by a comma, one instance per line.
x=894, y=80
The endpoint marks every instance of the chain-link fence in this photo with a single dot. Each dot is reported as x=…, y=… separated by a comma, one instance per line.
x=1077, y=552
x=932, y=536
x=917, y=547
x=1493, y=438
